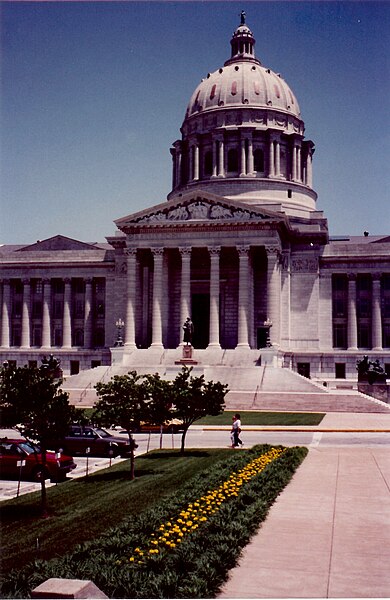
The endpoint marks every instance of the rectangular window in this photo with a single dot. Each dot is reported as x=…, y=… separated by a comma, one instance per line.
x=364, y=335
x=58, y=336
x=303, y=369
x=386, y=335
x=339, y=370
x=95, y=363
x=387, y=369
x=74, y=367
x=340, y=335
x=37, y=335
x=340, y=307
x=16, y=338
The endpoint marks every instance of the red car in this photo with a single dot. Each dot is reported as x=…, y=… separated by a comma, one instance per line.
x=20, y=458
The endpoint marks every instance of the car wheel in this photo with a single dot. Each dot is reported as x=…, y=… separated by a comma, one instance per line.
x=39, y=473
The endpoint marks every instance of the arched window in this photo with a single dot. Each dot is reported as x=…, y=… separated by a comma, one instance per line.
x=78, y=337
x=208, y=163
x=258, y=160
x=232, y=160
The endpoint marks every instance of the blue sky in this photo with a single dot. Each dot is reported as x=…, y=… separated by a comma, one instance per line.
x=94, y=93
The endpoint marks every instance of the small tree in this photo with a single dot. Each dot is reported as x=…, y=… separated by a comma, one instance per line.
x=33, y=402
x=123, y=400
x=193, y=399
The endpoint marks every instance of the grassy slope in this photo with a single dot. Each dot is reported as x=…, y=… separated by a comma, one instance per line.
x=264, y=418
x=83, y=509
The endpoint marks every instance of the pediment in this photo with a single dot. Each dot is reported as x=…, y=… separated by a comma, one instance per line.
x=200, y=208
x=56, y=243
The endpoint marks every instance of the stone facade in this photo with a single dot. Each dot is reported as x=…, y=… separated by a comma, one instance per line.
x=239, y=246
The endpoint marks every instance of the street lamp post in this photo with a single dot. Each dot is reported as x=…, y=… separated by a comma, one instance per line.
x=119, y=325
x=268, y=324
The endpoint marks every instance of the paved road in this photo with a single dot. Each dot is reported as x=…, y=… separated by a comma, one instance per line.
x=202, y=438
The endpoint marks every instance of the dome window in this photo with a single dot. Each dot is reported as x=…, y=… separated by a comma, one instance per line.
x=234, y=88
x=291, y=98
x=208, y=163
x=212, y=93
x=277, y=92
x=258, y=160
x=232, y=160
x=256, y=85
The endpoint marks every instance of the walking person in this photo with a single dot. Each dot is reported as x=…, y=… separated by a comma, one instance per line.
x=232, y=432
x=236, y=431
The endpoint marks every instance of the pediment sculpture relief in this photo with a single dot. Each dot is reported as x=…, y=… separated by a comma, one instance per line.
x=198, y=210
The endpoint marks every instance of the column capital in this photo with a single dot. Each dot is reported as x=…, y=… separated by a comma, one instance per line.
x=351, y=276
x=88, y=280
x=214, y=251
x=26, y=281
x=157, y=251
x=376, y=276
x=130, y=252
x=5, y=281
x=185, y=250
x=272, y=250
x=67, y=280
x=243, y=250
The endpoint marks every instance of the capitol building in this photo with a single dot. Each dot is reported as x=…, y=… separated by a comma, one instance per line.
x=238, y=246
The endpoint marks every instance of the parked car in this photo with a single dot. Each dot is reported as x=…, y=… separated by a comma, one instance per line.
x=13, y=451
x=98, y=440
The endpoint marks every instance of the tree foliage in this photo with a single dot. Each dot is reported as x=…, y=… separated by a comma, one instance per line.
x=32, y=402
x=193, y=398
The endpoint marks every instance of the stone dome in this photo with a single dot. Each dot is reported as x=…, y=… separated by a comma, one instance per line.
x=243, y=136
x=243, y=81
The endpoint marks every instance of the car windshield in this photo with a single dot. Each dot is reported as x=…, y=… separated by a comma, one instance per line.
x=28, y=447
x=102, y=432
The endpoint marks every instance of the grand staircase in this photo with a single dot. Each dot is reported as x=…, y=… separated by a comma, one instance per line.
x=251, y=386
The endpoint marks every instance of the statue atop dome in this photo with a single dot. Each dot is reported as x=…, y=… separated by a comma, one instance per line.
x=243, y=17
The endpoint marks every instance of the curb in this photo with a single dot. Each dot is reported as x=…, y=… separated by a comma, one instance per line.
x=294, y=429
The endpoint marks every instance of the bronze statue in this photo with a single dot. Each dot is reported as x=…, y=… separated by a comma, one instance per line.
x=188, y=329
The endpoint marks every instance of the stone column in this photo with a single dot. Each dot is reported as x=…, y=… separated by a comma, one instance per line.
x=273, y=292
x=271, y=170
x=243, y=159
x=66, y=322
x=131, y=254
x=299, y=167
x=277, y=158
x=215, y=159
x=26, y=336
x=196, y=162
x=185, y=289
x=5, y=314
x=88, y=314
x=214, y=297
x=243, y=297
x=251, y=167
x=294, y=163
x=157, y=297
x=352, y=320
x=221, y=159
x=376, y=312
x=46, y=325
x=309, y=170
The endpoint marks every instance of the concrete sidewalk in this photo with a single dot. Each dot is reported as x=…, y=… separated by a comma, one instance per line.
x=328, y=533
x=332, y=421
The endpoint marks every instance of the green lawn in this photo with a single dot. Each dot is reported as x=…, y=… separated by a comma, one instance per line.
x=209, y=503
x=82, y=509
x=264, y=418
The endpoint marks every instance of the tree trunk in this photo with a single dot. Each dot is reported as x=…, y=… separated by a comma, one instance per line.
x=44, y=512
x=132, y=457
x=183, y=440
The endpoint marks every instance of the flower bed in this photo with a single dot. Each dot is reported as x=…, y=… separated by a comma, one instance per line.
x=185, y=546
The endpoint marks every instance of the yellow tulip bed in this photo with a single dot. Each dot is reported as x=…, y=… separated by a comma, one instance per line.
x=170, y=534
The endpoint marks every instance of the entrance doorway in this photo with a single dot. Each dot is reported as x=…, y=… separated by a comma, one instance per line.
x=261, y=337
x=201, y=319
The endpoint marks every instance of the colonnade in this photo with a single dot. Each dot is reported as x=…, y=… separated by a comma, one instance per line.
x=298, y=168
x=46, y=319
x=376, y=317
x=245, y=295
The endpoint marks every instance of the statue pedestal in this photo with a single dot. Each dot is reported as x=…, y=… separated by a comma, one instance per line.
x=186, y=358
